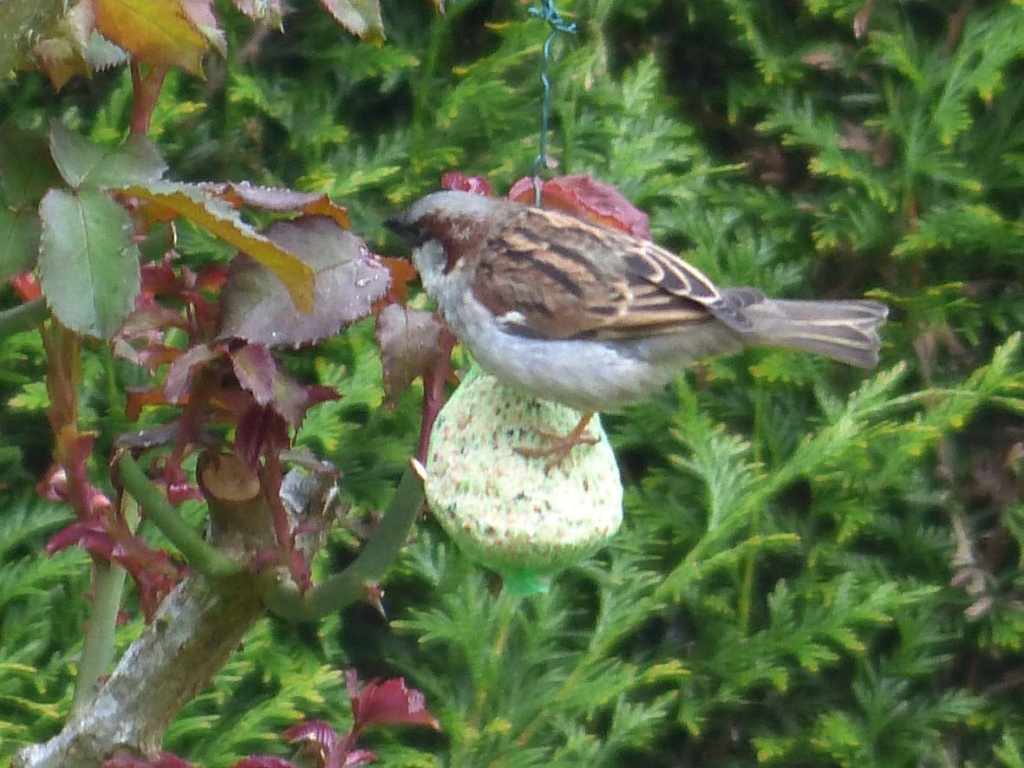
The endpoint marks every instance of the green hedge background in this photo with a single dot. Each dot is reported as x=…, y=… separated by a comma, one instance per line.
x=818, y=566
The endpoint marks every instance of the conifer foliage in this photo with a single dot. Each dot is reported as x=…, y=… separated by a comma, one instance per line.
x=215, y=374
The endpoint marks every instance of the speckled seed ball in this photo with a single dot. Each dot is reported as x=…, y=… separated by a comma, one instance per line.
x=517, y=515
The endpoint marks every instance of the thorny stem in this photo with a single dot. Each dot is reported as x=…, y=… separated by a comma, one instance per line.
x=98, y=647
x=350, y=585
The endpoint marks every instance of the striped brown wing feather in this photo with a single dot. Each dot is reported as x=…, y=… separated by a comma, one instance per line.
x=545, y=288
x=622, y=287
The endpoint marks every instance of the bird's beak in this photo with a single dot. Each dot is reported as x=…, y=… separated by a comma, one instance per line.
x=401, y=226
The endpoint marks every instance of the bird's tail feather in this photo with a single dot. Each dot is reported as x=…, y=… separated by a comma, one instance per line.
x=846, y=331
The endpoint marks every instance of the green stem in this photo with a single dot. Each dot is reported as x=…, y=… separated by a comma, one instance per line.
x=23, y=317
x=98, y=647
x=200, y=555
x=349, y=586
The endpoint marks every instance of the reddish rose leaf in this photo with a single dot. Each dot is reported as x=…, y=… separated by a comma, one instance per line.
x=67, y=481
x=152, y=354
x=231, y=404
x=273, y=388
x=179, y=493
x=434, y=379
x=141, y=337
x=292, y=398
x=317, y=738
x=177, y=483
x=281, y=200
x=263, y=761
x=94, y=531
x=348, y=279
x=211, y=278
x=200, y=13
x=268, y=12
x=181, y=372
x=152, y=570
x=409, y=345
x=402, y=273
x=314, y=731
x=165, y=200
x=359, y=757
x=258, y=430
x=320, y=742
x=255, y=369
x=323, y=206
x=387, y=703
x=457, y=181
x=587, y=198
x=159, y=278
x=150, y=316
x=54, y=485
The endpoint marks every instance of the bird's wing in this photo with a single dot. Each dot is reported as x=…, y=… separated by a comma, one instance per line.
x=547, y=274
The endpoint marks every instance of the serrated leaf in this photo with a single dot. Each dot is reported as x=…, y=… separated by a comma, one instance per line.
x=157, y=32
x=19, y=241
x=180, y=374
x=280, y=200
x=62, y=55
x=26, y=169
x=265, y=11
x=255, y=369
x=348, y=280
x=221, y=220
x=88, y=264
x=409, y=346
x=101, y=54
x=59, y=59
x=585, y=196
x=81, y=161
x=360, y=17
x=200, y=13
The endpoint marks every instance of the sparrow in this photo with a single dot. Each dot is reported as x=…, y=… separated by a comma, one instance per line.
x=571, y=311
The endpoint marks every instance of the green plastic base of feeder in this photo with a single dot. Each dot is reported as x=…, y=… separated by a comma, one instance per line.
x=524, y=583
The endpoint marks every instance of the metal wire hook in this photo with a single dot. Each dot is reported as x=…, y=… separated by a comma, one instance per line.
x=550, y=14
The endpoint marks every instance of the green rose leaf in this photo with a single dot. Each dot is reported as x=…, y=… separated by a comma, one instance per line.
x=88, y=263
x=80, y=161
x=19, y=241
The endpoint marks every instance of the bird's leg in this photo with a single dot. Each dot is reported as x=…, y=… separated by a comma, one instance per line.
x=557, y=447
